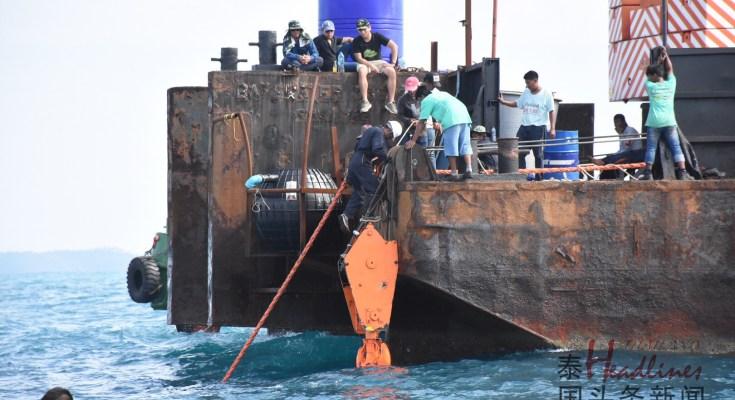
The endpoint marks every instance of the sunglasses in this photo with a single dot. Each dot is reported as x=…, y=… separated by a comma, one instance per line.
x=296, y=30
x=361, y=29
x=329, y=31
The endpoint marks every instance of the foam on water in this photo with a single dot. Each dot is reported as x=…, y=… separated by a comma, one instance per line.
x=82, y=332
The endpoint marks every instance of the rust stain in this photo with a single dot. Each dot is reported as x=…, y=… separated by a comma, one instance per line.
x=572, y=265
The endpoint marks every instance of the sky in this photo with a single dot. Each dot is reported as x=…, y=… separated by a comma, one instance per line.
x=83, y=157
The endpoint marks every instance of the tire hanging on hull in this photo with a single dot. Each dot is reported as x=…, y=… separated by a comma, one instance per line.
x=144, y=279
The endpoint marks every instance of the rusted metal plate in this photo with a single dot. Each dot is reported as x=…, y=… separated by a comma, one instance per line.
x=647, y=264
x=188, y=165
x=228, y=213
x=277, y=106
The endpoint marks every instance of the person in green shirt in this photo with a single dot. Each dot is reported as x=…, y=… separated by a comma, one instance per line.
x=454, y=120
x=661, y=122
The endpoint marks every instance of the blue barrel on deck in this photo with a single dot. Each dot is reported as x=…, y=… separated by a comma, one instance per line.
x=385, y=16
x=564, y=152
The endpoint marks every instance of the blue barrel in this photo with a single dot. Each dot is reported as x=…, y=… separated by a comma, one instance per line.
x=385, y=16
x=564, y=152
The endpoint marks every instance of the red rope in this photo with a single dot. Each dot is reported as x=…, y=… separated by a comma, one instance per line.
x=608, y=167
x=285, y=283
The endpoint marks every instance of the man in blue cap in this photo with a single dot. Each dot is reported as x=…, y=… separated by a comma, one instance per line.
x=299, y=51
x=327, y=44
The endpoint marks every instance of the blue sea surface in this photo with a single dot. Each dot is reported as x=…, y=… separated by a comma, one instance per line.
x=81, y=331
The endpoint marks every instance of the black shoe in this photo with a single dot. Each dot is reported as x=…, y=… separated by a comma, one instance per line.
x=683, y=175
x=467, y=175
x=344, y=223
x=645, y=175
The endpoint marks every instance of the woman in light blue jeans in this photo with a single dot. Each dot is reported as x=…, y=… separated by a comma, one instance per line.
x=661, y=121
x=671, y=135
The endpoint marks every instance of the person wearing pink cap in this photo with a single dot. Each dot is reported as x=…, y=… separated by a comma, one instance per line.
x=408, y=104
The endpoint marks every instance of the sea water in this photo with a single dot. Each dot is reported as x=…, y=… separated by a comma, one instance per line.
x=82, y=332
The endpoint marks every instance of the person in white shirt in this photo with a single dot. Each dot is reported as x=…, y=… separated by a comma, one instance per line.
x=630, y=151
x=537, y=104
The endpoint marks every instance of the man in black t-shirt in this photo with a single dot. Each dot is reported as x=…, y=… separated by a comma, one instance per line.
x=327, y=45
x=366, y=51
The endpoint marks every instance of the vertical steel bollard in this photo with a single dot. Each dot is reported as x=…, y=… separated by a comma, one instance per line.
x=507, y=155
x=266, y=45
x=228, y=59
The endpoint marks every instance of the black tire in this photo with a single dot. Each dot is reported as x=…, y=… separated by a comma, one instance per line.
x=144, y=279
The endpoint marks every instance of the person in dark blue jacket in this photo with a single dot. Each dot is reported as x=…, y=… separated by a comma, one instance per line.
x=372, y=146
x=299, y=51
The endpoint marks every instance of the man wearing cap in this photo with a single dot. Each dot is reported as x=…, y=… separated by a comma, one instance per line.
x=299, y=51
x=408, y=105
x=431, y=82
x=455, y=120
x=372, y=147
x=366, y=51
x=479, y=133
x=327, y=45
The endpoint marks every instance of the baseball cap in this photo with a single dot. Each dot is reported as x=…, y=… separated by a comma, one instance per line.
x=433, y=79
x=327, y=25
x=294, y=24
x=395, y=127
x=411, y=83
x=363, y=23
x=479, y=129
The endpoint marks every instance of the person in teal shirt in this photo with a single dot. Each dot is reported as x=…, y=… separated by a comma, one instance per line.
x=455, y=122
x=661, y=121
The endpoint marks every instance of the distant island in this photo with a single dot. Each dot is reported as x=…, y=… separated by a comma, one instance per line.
x=96, y=260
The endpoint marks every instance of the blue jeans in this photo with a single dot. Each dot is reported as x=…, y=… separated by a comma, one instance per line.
x=628, y=156
x=532, y=132
x=671, y=135
x=312, y=66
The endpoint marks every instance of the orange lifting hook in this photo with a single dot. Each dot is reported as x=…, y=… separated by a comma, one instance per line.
x=371, y=266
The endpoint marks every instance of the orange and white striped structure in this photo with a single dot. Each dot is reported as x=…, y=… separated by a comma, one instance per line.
x=708, y=38
x=695, y=15
x=627, y=64
x=635, y=28
x=645, y=22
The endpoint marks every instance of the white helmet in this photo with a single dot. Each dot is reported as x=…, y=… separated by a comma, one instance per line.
x=395, y=127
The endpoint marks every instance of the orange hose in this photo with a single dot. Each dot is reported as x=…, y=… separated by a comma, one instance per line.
x=607, y=167
x=286, y=281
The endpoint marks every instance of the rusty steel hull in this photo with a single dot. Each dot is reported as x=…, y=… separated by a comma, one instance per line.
x=649, y=265
x=188, y=187
x=485, y=266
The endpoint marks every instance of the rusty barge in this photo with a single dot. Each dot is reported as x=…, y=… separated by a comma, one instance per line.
x=489, y=265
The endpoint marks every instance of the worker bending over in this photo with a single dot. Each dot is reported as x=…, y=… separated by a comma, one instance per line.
x=371, y=149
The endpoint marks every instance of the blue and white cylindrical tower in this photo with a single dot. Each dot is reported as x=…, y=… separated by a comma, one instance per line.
x=385, y=16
